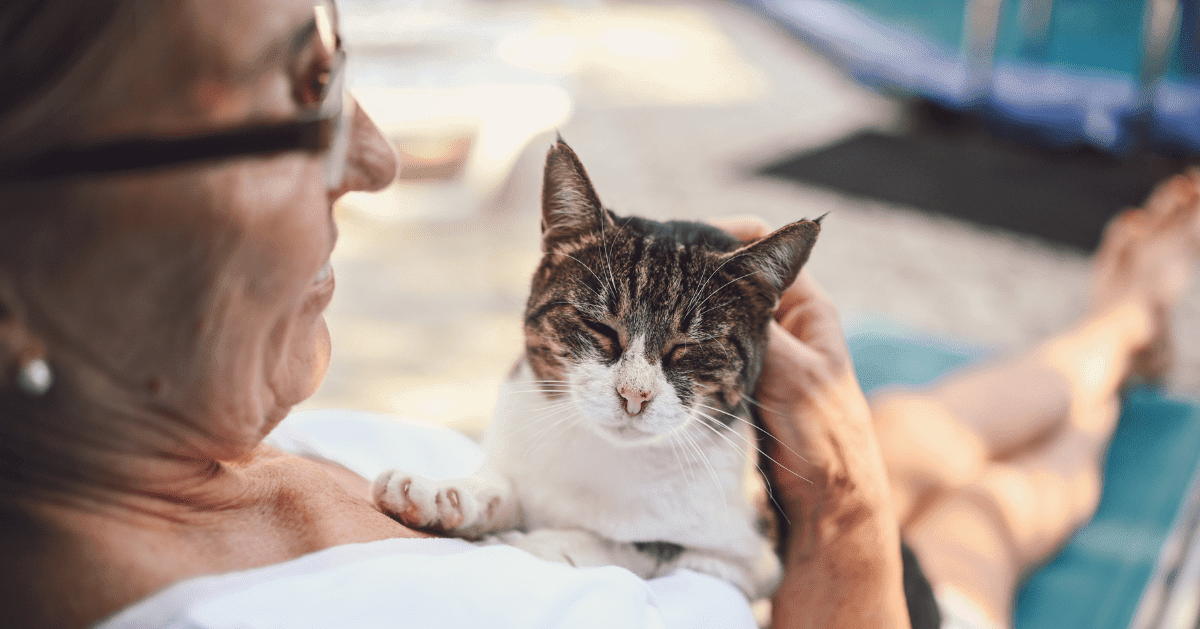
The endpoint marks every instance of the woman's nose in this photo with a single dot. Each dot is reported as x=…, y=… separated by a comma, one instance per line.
x=371, y=162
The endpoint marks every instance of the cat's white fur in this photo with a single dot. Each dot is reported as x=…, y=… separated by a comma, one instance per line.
x=576, y=478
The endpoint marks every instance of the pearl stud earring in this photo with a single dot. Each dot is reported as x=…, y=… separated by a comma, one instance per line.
x=35, y=377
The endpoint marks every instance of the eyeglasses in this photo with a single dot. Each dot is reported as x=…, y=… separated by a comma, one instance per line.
x=327, y=130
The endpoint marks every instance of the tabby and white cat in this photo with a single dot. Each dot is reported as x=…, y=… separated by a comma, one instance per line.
x=622, y=435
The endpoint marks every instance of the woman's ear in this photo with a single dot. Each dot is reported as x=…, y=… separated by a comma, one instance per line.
x=22, y=352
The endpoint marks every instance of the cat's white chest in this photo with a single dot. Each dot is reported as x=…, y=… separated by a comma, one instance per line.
x=684, y=488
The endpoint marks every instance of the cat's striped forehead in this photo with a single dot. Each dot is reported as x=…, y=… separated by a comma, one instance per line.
x=652, y=278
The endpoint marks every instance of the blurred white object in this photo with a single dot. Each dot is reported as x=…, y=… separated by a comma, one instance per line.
x=462, y=88
x=459, y=115
x=638, y=55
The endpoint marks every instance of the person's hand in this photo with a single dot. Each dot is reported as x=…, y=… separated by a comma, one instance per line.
x=824, y=448
x=842, y=562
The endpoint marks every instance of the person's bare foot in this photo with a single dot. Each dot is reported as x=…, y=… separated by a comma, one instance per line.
x=1145, y=262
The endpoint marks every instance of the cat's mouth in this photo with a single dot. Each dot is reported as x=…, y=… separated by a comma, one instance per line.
x=629, y=431
x=636, y=432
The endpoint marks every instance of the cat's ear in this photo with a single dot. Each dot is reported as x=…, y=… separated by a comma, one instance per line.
x=570, y=206
x=777, y=257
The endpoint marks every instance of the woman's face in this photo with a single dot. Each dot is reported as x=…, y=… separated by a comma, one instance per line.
x=203, y=290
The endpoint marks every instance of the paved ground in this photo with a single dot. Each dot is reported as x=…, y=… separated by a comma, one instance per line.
x=426, y=319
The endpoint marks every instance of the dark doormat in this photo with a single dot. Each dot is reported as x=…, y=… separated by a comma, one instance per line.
x=1060, y=196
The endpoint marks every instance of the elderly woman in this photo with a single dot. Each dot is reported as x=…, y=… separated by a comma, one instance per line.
x=167, y=173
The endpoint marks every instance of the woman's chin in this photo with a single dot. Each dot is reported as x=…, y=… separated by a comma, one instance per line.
x=307, y=363
x=311, y=345
x=322, y=348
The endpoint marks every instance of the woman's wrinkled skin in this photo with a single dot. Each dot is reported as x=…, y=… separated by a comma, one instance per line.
x=182, y=325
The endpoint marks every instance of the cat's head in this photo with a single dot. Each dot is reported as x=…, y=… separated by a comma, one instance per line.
x=645, y=326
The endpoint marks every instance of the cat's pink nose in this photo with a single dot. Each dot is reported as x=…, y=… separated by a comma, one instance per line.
x=635, y=399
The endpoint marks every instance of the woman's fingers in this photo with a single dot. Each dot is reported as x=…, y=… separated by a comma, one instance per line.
x=744, y=227
x=818, y=414
x=804, y=309
x=806, y=312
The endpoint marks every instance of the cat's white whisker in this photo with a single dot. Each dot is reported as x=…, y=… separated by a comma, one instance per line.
x=540, y=426
x=717, y=306
x=578, y=435
x=690, y=465
x=539, y=423
x=749, y=444
x=752, y=425
x=765, y=476
x=551, y=409
x=762, y=406
x=548, y=411
x=712, y=294
x=686, y=468
x=671, y=439
x=581, y=263
x=728, y=358
x=590, y=289
x=689, y=445
x=689, y=449
x=566, y=418
x=607, y=251
x=753, y=446
x=711, y=471
x=700, y=288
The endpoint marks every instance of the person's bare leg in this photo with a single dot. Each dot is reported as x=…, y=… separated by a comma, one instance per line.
x=979, y=535
x=937, y=440
x=941, y=439
x=980, y=539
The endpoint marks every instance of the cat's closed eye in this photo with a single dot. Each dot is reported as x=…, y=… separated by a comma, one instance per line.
x=674, y=353
x=607, y=334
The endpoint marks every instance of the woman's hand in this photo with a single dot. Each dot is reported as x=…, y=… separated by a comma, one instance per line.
x=829, y=470
x=842, y=563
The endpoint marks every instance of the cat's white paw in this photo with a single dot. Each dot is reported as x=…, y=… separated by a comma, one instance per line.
x=424, y=504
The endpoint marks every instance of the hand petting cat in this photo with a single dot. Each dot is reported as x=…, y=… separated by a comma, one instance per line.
x=842, y=564
x=623, y=436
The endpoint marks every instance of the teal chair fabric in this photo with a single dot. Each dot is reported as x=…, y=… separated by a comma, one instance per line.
x=1097, y=580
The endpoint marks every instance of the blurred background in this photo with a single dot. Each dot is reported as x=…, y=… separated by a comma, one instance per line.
x=968, y=154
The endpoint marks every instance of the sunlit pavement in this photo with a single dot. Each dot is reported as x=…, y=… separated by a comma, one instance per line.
x=670, y=115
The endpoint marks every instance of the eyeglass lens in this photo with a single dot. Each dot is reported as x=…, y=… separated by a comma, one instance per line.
x=337, y=105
